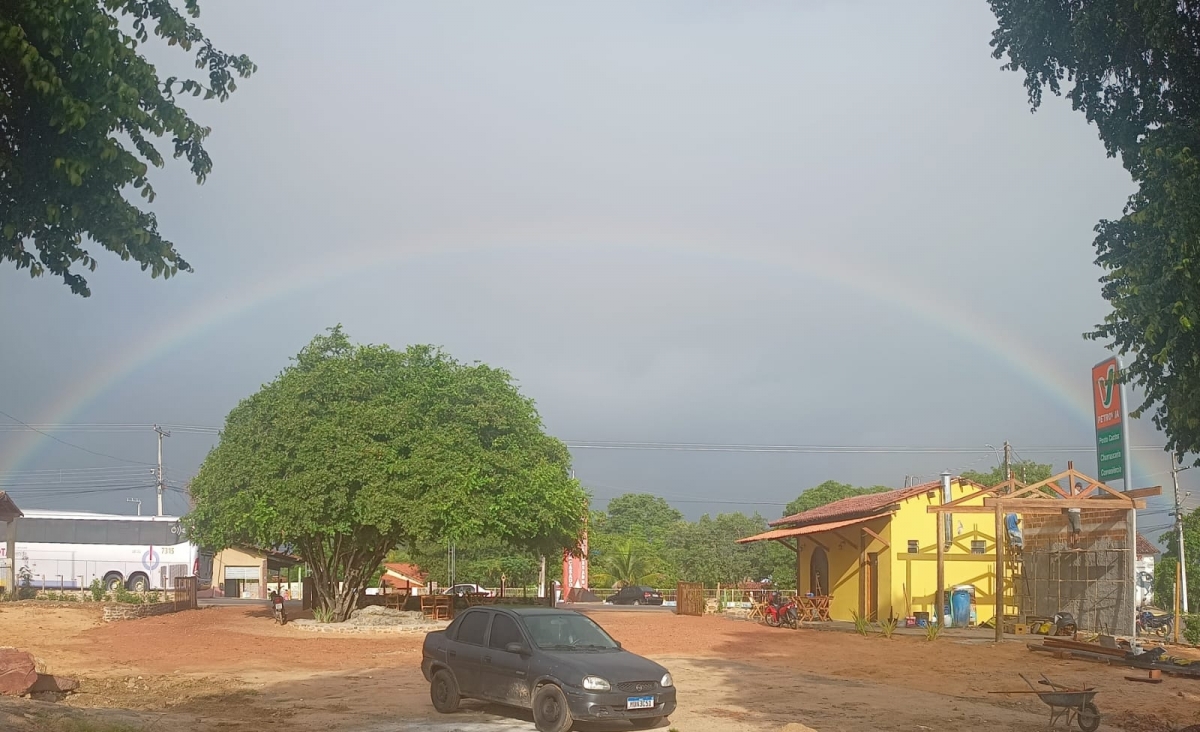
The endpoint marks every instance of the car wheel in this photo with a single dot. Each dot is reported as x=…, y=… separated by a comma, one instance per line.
x=637, y=602
x=550, y=712
x=443, y=692
x=646, y=722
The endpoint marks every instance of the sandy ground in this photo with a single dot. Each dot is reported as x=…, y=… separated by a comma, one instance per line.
x=232, y=669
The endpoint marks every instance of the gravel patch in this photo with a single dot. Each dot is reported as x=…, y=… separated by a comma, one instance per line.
x=375, y=619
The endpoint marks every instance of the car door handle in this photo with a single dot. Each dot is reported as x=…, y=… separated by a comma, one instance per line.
x=452, y=654
x=487, y=659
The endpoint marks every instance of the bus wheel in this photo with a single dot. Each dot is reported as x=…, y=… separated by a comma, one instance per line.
x=113, y=582
x=139, y=583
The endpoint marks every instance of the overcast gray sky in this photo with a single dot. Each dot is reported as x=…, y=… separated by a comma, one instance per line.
x=814, y=223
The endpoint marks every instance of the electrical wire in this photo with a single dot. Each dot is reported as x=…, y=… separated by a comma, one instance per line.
x=71, y=444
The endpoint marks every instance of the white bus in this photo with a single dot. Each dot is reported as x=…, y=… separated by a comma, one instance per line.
x=68, y=550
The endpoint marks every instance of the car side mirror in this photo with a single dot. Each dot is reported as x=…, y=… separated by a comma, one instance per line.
x=517, y=648
x=618, y=644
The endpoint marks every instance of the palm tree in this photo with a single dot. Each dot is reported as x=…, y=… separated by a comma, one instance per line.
x=627, y=564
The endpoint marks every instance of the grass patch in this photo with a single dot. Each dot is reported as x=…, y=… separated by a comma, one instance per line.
x=932, y=631
x=888, y=627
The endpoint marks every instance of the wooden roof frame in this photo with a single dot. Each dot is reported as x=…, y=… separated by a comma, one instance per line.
x=1017, y=497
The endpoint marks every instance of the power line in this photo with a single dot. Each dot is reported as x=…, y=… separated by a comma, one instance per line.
x=71, y=444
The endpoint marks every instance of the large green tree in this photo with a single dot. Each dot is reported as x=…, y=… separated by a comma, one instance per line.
x=641, y=514
x=707, y=551
x=81, y=113
x=1164, y=568
x=353, y=450
x=825, y=493
x=1133, y=68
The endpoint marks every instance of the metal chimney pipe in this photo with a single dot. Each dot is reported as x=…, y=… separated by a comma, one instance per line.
x=947, y=497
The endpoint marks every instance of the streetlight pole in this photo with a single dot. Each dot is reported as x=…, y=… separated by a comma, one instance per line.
x=1181, y=585
x=138, y=501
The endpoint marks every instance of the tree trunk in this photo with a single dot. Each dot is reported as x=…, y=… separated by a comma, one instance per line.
x=340, y=562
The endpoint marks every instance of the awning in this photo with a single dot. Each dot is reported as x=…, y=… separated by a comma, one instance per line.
x=810, y=529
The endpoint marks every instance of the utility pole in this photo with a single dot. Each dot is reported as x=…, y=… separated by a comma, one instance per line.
x=161, y=434
x=1181, y=583
x=1007, y=461
x=138, y=501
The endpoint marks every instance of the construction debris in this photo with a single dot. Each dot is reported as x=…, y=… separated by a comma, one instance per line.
x=1155, y=661
x=19, y=677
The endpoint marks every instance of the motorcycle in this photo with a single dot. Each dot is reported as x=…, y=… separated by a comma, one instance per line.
x=1148, y=622
x=277, y=608
x=778, y=613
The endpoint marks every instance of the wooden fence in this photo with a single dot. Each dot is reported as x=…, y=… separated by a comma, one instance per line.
x=185, y=593
x=689, y=598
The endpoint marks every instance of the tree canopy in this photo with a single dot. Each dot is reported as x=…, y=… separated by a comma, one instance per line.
x=641, y=514
x=1164, y=568
x=80, y=111
x=826, y=493
x=1133, y=68
x=353, y=450
x=1026, y=471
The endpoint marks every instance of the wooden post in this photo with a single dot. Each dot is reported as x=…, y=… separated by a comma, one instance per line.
x=1131, y=557
x=799, y=571
x=936, y=615
x=11, y=553
x=999, y=574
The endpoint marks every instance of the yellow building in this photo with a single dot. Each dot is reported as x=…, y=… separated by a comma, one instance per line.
x=876, y=554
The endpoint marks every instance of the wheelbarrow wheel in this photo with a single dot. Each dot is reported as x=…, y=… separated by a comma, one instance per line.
x=1088, y=718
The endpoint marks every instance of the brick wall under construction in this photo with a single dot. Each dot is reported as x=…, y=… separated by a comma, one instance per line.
x=1085, y=574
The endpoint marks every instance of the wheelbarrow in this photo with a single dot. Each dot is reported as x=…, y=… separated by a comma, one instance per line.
x=1067, y=704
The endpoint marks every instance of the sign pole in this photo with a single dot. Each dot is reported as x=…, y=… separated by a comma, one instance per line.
x=1127, y=481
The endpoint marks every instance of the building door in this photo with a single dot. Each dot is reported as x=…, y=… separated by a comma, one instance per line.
x=872, y=586
x=818, y=572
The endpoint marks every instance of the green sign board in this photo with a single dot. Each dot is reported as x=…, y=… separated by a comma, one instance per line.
x=1110, y=421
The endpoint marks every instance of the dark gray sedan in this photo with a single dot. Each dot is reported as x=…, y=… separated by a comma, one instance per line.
x=558, y=663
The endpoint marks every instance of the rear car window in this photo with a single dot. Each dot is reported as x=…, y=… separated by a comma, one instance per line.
x=473, y=628
x=504, y=631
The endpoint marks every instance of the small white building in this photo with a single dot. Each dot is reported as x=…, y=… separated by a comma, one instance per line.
x=1146, y=552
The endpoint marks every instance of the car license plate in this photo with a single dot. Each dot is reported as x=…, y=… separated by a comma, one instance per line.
x=639, y=702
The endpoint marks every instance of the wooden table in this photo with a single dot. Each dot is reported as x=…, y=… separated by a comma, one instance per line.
x=815, y=609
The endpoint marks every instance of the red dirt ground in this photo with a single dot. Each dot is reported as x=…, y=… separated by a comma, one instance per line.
x=732, y=675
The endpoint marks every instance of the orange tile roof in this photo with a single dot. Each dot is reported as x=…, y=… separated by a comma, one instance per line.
x=1145, y=548
x=867, y=504
x=808, y=529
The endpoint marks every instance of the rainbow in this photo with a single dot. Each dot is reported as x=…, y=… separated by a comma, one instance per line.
x=957, y=321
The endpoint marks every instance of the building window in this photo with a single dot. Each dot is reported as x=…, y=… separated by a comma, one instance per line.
x=977, y=546
x=914, y=546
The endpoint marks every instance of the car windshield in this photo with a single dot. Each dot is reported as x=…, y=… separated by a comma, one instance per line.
x=567, y=632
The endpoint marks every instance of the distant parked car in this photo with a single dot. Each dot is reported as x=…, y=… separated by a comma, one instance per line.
x=467, y=590
x=559, y=663
x=636, y=595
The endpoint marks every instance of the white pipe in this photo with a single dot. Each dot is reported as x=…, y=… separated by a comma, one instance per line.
x=947, y=497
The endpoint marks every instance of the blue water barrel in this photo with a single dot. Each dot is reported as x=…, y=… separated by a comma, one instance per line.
x=960, y=607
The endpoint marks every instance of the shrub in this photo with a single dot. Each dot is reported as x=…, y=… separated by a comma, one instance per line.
x=125, y=596
x=25, y=590
x=322, y=615
x=888, y=627
x=861, y=625
x=932, y=631
x=97, y=590
x=1191, y=628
